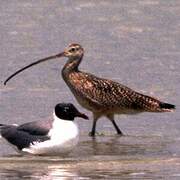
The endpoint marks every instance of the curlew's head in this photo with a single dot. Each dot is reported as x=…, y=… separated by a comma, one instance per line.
x=73, y=51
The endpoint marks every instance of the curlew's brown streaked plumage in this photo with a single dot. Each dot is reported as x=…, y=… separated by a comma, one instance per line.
x=103, y=97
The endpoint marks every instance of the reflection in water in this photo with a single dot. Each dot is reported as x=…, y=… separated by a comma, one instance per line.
x=54, y=169
x=103, y=157
x=37, y=171
x=65, y=172
x=56, y=172
x=131, y=146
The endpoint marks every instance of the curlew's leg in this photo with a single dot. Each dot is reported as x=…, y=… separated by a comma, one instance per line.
x=111, y=117
x=93, y=131
x=116, y=127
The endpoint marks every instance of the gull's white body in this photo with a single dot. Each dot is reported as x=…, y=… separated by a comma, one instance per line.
x=64, y=136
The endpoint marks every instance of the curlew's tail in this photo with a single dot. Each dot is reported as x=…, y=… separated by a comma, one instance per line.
x=167, y=107
x=1, y=125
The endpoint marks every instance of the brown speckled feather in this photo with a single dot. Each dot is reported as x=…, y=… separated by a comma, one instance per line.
x=106, y=93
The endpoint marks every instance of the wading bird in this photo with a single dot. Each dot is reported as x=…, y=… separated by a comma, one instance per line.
x=103, y=97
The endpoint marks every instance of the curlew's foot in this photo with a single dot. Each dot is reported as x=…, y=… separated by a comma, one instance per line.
x=92, y=134
x=96, y=134
x=120, y=134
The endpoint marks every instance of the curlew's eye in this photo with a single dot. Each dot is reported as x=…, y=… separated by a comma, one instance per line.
x=72, y=50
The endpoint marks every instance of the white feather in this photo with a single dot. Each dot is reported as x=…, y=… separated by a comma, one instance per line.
x=64, y=136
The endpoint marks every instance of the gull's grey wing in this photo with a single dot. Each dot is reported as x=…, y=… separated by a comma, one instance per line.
x=36, y=127
x=21, y=139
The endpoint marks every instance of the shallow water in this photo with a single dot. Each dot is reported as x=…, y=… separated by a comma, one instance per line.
x=133, y=42
x=107, y=157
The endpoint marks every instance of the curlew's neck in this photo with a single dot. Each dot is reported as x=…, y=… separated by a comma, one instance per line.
x=71, y=66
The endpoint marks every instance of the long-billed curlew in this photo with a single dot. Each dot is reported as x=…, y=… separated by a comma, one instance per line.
x=103, y=97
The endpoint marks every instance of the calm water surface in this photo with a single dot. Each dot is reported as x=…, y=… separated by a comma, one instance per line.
x=133, y=42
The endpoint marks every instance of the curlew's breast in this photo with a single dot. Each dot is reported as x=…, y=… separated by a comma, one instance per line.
x=83, y=88
x=97, y=94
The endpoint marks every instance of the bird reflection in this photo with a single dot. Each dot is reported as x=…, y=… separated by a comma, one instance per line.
x=39, y=171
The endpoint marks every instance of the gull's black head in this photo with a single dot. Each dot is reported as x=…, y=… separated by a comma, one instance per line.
x=68, y=111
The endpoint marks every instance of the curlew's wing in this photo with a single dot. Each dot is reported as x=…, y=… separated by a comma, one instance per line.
x=107, y=93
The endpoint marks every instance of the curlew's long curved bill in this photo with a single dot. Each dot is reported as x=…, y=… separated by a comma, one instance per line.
x=32, y=64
